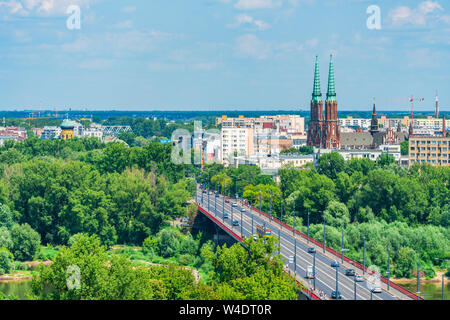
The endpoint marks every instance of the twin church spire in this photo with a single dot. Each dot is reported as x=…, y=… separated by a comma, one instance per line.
x=323, y=131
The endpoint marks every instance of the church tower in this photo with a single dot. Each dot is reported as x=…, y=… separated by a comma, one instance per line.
x=315, y=124
x=331, y=135
x=374, y=122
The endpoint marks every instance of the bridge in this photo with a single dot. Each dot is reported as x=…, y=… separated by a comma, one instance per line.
x=295, y=247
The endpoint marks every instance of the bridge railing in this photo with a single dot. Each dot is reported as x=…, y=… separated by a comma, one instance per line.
x=230, y=232
x=334, y=252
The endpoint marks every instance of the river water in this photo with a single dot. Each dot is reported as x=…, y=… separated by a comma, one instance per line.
x=429, y=290
x=18, y=289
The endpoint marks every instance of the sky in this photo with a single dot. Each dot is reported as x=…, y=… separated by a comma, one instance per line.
x=221, y=54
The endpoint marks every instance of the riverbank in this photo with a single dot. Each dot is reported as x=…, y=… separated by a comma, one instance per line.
x=437, y=278
x=23, y=275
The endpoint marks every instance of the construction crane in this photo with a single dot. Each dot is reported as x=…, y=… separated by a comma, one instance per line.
x=31, y=116
x=412, y=100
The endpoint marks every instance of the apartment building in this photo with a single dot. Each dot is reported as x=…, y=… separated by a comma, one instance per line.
x=434, y=150
x=236, y=141
x=425, y=123
x=350, y=122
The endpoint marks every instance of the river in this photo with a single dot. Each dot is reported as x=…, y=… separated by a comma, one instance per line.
x=429, y=290
x=18, y=289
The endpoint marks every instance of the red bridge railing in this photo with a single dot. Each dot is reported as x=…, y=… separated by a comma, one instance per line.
x=337, y=254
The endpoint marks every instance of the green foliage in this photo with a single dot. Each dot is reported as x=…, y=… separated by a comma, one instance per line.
x=6, y=217
x=26, y=242
x=5, y=238
x=6, y=261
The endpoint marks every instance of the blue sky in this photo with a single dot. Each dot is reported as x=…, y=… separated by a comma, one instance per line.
x=221, y=54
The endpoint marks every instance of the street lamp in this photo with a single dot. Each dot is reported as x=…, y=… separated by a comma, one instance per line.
x=364, y=255
x=324, y=240
x=308, y=226
x=270, y=207
x=443, y=278
x=251, y=205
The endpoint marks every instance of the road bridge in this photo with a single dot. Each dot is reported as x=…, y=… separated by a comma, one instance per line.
x=295, y=244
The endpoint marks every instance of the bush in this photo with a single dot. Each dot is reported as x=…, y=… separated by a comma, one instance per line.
x=26, y=242
x=6, y=261
x=186, y=259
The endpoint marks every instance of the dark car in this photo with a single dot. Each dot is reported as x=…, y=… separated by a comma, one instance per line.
x=311, y=250
x=336, y=295
x=204, y=191
x=225, y=215
x=235, y=223
x=217, y=195
x=350, y=272
x=335, y=264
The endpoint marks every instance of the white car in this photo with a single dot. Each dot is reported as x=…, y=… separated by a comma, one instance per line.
x=376, y=290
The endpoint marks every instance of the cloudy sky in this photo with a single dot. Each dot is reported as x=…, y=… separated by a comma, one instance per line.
x=221, y=54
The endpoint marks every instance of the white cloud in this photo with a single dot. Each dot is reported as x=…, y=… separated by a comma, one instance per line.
x=251, y=47
x=129, y=9
x=257, y=4
x=404, y=15
x=244, y=19
x=127, y=24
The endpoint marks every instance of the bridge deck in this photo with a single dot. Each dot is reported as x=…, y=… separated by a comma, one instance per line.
x=325, y=275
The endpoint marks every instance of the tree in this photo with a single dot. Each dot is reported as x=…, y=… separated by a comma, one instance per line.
x=404, y=262
x=26, y=242
x=6, y=216
x=5, y=238
x=337, y=214
x=404, y=146
x=330, y=164
x=6, y=261
x=168, y=242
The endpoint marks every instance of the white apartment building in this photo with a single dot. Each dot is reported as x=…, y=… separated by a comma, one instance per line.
x=236, y=141
x=354, y=122
x=94, y=130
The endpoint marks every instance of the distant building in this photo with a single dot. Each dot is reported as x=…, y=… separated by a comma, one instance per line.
x=51, y=132
x=434, y=150
x=67, y=129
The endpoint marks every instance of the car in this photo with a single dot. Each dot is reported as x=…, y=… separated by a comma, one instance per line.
x=311, y=250
x=235, y=223
x=204, y=191
x=234, y=204
x=376, y=289
x=335, y=264
x=359, y=278
x=336, y=295
x=225, y=215
x=217, y=195
x=210, y=193
x=227, y=201
x=350, y=272
x=243, y=210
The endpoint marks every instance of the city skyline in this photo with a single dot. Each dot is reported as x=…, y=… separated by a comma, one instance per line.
x=221, y=54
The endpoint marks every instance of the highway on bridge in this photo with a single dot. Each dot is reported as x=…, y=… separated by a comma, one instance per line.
x=325, y=274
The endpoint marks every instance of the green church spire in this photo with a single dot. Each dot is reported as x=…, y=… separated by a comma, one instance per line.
x=317, y=95
x=331, y=94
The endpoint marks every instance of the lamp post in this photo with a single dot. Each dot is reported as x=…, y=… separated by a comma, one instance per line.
x=251, y=205
x=215, y=198
x=308, y=226
x=223, y=205
x=270, y=207
x=354, y=280
x=314, y=270
x=389, y=269
x=208, y=196
x=281, y=210
x=324, y=240
x=260, y=201
x=364, y=255
x=418, y=277
x=443, y=278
